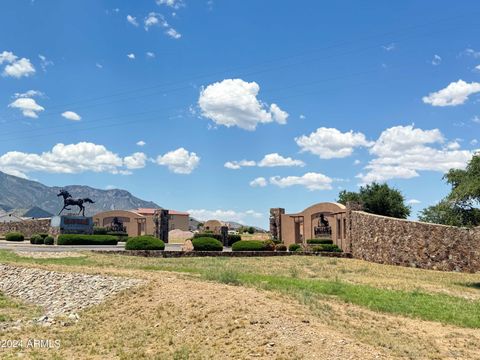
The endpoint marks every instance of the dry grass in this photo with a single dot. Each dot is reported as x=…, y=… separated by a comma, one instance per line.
x=180, y=316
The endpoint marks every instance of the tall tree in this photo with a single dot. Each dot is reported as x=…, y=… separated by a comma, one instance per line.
x=378, y=199
x=448, y=213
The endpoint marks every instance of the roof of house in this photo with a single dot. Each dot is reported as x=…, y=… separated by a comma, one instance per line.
x=149, y=211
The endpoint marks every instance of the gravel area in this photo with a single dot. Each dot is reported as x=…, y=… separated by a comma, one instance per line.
x=60, y=293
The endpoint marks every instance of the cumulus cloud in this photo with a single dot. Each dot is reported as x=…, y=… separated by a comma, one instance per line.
x=471, y=52
x=132, y=20
x=269, y=160
x=17, y=68
x=456, y=93
x=234, y=102
x=330, y=143
x=312, y=181
x=71, y=115
x=414, y=202
x=27, y=106
x=225, y=215
x=66, y=159
x=131, y=56
x=156, y=19
x=402, y=151
x=235, y=165
x=389, y=47
x=141, y=143
x=274, y=159
x=258, y=182
x=7, y=57
x=150, y=54
x=179, y=161
x=135, y=161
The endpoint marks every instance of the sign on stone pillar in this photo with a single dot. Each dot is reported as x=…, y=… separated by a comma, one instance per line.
x=276, y=223
x=224, y=235
x=161, y=219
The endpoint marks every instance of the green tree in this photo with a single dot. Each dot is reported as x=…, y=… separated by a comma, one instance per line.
x=251, y=230
x=378, y=199
x=448, y=213
x=465, y=183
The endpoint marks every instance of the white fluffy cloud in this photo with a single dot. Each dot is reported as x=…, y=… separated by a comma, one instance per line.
x=179, y=161
x=274, y=159
x=156, y=19
x=456, y=93
x=311, y=180
x=131, y=56
x=71, y=115
x=27, y=106
x=173, y=33
x=150, y=54
x=225, y=215
x=7, y=57
x=235, y=165
x=19, y=68
x=259, y=182
x=402, y=151
x=68, y=159
x=234, y=102
x=132, y=20
x=135, y=161
x=414, y=202
x=44, y=62
x=330, y=143
x=269, y=160
x=141, y=143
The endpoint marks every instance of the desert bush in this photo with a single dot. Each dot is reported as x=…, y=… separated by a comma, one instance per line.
x=280, y=247
x=249, y=245
x=48, y=240
x=98, y=230
x=206, y=244
x=36, y=239
x=14, y=236
x=294, y=247
x=144, y=243
x=231, y=239
x=43, y=235
x=80, y=239
x=319, y=241
x=269, y=245
x=326, y=248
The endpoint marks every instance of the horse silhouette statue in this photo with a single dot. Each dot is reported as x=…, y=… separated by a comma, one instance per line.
x=68, y=200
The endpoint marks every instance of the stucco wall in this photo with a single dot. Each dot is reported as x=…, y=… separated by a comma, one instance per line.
x=26, y=227
x=409, y=243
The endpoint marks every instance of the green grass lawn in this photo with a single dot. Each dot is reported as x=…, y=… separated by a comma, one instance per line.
x=448, y=298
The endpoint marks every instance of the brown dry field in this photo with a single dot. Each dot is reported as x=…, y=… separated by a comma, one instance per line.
x=181, y=316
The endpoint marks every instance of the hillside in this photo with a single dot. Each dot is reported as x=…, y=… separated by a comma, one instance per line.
x=18, y=193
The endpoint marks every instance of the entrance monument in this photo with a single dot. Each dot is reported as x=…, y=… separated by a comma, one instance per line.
x=73, y=223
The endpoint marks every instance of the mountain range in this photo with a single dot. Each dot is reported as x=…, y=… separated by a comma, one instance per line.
x=21, y=195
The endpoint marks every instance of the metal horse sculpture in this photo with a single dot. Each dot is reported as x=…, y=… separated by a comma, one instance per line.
x=68, y=200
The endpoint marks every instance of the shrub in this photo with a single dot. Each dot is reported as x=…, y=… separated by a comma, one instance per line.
x=14, y=236
x=43, y=235
x=48, y=240
x=80, y=239
x=206, y=244
x=269, y=245
x=319, y=241
x=97, y=230
x=36, y=239
x=280, y=247
x=294, y=247
x=144, y=243
x=326, y=248
x=120, y=235
x=231, y=239
x=249, y=245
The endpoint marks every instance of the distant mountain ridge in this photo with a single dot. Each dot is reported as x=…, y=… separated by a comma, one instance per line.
x=18, y=193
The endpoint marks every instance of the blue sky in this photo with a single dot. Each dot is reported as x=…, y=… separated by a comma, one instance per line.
x=228, y=108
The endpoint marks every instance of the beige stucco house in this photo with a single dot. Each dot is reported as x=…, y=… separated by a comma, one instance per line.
x=140, y=221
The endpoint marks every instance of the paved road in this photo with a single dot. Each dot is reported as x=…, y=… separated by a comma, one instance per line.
x=26, y=246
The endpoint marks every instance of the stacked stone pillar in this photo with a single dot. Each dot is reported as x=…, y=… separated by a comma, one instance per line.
x=276, y=223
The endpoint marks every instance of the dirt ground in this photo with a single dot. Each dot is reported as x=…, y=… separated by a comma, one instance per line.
x=180, y=316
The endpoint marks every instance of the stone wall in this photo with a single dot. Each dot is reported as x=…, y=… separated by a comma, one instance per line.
x=410, y=243
x=26, y=227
